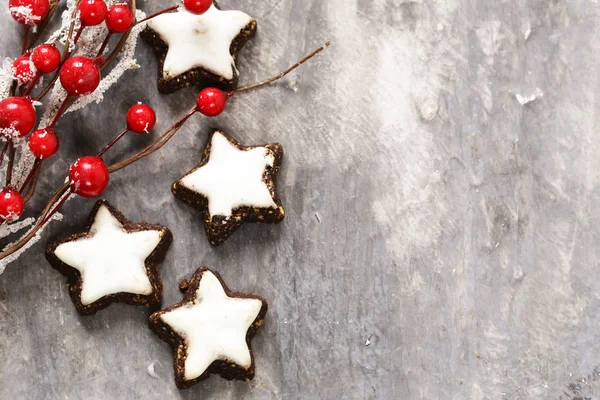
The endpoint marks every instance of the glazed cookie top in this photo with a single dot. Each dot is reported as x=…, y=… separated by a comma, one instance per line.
x=232, y=177
x=110, y=260
x=214, y=326
x=199, y=40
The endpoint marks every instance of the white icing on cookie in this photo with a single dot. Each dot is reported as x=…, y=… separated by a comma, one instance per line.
x=111, y=260
x=214, y=327
x=199, y=40
x=232, y=177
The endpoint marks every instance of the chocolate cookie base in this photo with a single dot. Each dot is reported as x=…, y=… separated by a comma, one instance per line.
x=196, y=76
x=225, y=369
x=75, y=283
x=219, y=228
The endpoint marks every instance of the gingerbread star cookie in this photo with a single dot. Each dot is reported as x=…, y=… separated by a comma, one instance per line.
x=210, y=330
x=198, y=49
x=113, y=260
x=233, y=184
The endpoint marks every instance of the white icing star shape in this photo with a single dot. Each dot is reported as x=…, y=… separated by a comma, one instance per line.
x=199, y=40
x=111, y=260
x=213, y=325
x=232, y=177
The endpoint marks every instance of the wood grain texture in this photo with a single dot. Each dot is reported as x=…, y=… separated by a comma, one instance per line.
x=427, y=210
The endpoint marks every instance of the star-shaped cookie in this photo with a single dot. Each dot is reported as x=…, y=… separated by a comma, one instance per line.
x=233, y=184
x=113, y=260
x=210, y=330
x=198, y=49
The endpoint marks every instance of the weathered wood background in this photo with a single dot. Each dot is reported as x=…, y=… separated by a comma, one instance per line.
x=437, y=205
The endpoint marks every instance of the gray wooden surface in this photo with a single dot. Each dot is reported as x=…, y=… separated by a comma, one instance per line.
x=428, y=211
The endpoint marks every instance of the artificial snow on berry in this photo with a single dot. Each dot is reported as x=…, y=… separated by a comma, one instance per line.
x=11, y=204
x=17, y=117
x=92, y=12
x=141, y=118
x=24, y=70
x=197, y=6
x=80, y=75
x=46, y=58
x=211, y=101
x=29, y=12
x=119, y=18
x=88, y=176
x=43, y=143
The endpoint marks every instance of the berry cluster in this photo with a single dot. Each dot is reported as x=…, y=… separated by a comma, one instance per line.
x=118, y=18
x=79, y=76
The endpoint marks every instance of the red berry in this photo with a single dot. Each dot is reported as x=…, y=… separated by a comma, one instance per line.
x=119, y=18
x=24, y=70
x=92, y=12
x=46, y=58
x=43, y=142
x=80, y=76
x=11, y=204
x=141, y=118
x=211, y=101
x=29, y=12
x=88, y=176
x=17, y=117
x=197, y=6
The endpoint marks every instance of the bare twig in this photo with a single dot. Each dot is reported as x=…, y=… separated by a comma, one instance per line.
x=284, y=73
x=36, y=165
x=113, y=54
x=48, y=87
x=56, y=207
x=32, y=186
x=66, y=51
x=112, y=142
x=31, y=86
x=166, y=10
x=25, y=37
x=3, y=152
x=11, y=162
x=61, y=110
x=104, y=44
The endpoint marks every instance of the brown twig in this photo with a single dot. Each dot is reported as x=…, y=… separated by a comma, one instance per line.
x=25, y=37
x=104, y=44
x=31, y=86
x=3, y=152
x=67, y=52
x=32, y=186
x=284, y=73
x=61, y=110
x=156, y=14
x=48, y=87
x=113, y=54
x=11, y=162
x=56, y=207
x=112, y=142
x=36, y=165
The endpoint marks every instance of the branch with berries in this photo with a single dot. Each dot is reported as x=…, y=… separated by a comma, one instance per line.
x=87, y=27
